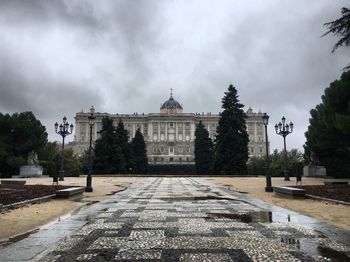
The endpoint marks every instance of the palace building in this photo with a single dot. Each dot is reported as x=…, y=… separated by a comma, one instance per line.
x=169, y=134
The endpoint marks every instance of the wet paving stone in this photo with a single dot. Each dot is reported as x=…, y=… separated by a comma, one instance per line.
x=189, y=219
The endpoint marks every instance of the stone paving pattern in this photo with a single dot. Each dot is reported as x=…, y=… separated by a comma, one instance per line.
x=187, y=219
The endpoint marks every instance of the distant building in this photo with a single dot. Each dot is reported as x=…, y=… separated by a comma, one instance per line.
x=169, y=135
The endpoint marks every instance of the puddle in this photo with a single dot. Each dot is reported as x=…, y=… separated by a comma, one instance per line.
x=311, y=248
x=17, y=238
x=56, y=220
x=89, y=203
x=333, y=254
x=199, y=198
x=115, y=192
x=14, y=239
x=261, y=216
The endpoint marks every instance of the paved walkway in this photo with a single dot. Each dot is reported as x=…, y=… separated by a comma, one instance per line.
x=185, y=219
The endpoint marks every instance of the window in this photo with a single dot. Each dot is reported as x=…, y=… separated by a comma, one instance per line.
x=82, y=128
x=171, y=159
x=180, y=159
x=162, y=149
x=155, y=159
x=171, y=124
x=171, y=150
x=154, y=149
x=188, y=150
x=180, y=150
x=188, y=159
x=260, y=149
x=83, y=138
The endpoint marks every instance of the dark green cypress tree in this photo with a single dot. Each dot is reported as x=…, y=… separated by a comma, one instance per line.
x=109, y=156
x=231, y=142
x=328, y=134
x=123, y=142
x=203, y=150
x=140, y=153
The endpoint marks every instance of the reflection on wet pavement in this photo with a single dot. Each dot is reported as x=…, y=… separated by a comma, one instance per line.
x=189, y=219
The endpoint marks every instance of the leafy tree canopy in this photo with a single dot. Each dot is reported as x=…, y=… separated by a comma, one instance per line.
x=295, y=163
x=20, y=133
x=328, y=134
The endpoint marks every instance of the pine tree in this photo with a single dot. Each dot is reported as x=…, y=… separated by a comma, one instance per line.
x=109, y=156
x=203, y=150
x=123, y=142
x=140, y=153
x=328, y=134
x=231, y=143
x=340, y=27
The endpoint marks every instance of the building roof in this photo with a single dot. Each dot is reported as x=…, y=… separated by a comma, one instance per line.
x=171, y=103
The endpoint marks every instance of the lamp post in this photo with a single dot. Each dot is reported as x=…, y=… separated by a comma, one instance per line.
x=64, y=130
x=268, y=187
x=284, y=130
x=89, y=177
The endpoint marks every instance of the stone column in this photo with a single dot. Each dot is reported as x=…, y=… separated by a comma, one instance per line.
x=166, y=131
x=158, y=131
x=176, y=131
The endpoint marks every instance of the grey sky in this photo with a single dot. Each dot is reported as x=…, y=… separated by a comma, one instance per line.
x=58, y=57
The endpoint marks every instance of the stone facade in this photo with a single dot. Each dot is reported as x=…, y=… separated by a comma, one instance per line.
x=169, y=135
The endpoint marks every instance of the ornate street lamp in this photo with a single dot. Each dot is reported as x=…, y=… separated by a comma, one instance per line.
x=89, y=177
x=284, y=130
x=268, y=187
x=64, y=130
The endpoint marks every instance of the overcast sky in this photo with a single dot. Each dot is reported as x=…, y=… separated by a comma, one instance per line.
x=59, y=57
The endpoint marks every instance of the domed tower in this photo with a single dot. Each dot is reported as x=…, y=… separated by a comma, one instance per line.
x=171, y=106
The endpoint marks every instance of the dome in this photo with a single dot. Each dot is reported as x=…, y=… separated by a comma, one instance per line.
x=171, y=103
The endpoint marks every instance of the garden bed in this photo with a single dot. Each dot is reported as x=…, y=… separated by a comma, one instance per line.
x=13, y=193
x=340, y=193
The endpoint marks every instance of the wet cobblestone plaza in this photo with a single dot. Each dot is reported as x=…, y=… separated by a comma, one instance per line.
x=190, y=219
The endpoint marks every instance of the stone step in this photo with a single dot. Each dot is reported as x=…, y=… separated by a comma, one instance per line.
x=289, y=191
x=70, y=191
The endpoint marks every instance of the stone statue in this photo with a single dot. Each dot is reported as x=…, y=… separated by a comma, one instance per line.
x=32, y=158
x=32, y=169
x=314, y=160
x=313, y=169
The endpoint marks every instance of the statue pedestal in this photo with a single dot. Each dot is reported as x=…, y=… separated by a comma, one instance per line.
x=30, y=171
x=314, y=171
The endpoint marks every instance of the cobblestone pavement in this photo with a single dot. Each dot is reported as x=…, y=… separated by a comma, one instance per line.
x=188, y=219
